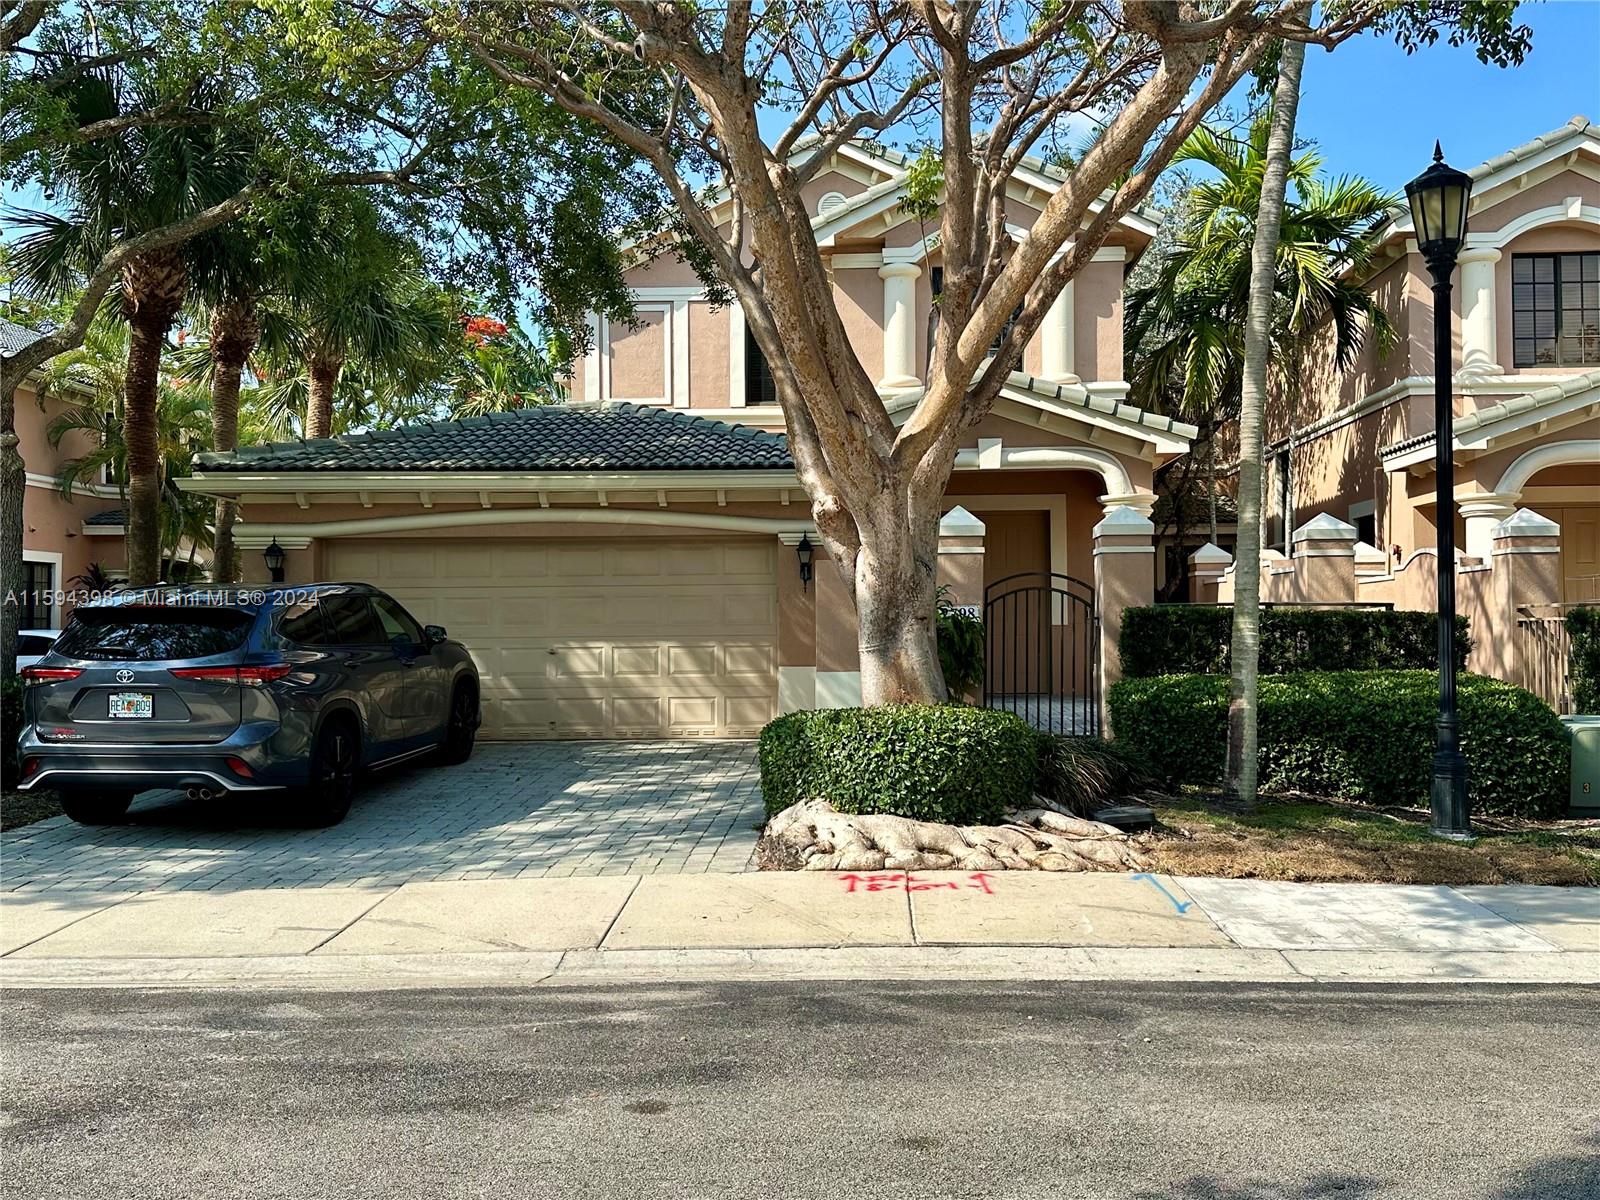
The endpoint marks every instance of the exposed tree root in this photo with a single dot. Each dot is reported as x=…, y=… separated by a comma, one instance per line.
x=813, y=836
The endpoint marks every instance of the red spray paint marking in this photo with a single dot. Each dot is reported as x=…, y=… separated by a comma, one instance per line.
x=902, y=881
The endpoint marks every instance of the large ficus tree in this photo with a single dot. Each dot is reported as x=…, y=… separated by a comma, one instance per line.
x=760, y=95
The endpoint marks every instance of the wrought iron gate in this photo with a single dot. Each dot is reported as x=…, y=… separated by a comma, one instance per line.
x=1042, y=651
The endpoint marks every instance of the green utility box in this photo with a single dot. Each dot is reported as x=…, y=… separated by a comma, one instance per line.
x=1585, y=731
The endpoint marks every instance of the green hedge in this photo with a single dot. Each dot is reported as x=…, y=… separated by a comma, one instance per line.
x=1583, y=626
x=947, y=762
x=1181, y=639
x=1362, y=735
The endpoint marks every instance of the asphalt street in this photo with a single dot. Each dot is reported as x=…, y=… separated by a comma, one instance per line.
x=1216, y=1092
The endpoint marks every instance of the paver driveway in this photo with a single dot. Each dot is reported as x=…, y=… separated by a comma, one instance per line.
x=550, y=808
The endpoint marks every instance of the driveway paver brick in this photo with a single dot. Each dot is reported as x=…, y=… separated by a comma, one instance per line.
x=525, y=810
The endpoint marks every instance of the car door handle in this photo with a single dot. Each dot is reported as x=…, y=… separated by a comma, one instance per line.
x=350, y=664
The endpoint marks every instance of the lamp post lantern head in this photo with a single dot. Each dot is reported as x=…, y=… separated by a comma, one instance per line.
x=274, y=556
x=803, y=552
x=1438, y=199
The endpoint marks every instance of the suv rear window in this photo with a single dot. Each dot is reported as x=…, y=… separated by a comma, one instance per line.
x=153, y=634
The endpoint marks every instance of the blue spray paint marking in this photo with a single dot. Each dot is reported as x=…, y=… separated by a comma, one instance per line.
x=1181, y=905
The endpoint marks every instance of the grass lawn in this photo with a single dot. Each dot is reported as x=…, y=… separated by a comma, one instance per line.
x=1309, y=840
x=24, y=808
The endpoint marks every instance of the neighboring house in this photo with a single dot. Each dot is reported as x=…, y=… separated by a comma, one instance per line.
x=56, y=541
x=1360, y=445
x=625, y=565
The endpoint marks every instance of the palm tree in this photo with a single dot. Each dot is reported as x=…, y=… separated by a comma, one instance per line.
x=108, y=189
x=1186, y=327
x=182, y=427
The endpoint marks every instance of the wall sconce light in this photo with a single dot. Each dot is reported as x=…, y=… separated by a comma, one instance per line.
x=803, y=552
x=274, y=556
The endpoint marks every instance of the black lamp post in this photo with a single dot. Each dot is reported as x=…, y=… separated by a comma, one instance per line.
x=1439, y=212
x=274, y=556
x=803, y=553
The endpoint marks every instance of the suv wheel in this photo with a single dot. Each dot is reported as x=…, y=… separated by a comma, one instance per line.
x=96, y=808
x=335, y=761
x=461, y=727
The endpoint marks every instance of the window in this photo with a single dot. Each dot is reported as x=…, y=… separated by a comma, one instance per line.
x=352, y=621
x=396, y=622
x=38, y=595
x=33, y=646
x=128, y=634
x=1555, y=309
x=303, y=625
x=1283, y=500
x=759, y=387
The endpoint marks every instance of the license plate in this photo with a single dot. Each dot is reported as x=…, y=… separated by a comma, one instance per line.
x=130, y=705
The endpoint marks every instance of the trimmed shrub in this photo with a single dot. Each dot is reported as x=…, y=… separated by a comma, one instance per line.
x=1084, y=773
x=1361, y=735
x=945, y=762
x=1583, y=626
x=1183, y=639
x=961, y=648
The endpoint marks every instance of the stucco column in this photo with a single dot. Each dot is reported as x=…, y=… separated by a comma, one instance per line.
x=1325, y=560
x=797, y=629
x=960, y=568
x=1207, y=566
x=1483, y=512
x=1477, y=313
x=1124, y=578
x=838, y=649
x=1057, y=340
x=1527, y=575
x=899, y=324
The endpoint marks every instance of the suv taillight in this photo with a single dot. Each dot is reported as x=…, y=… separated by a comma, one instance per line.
x=249, y=676
x=50, y=674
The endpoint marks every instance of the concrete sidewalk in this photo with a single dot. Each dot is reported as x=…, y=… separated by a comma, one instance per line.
x=802, y=925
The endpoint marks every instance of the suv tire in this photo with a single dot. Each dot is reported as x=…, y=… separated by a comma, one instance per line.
x=461, y=726
x=96, y=808
x=335, y=765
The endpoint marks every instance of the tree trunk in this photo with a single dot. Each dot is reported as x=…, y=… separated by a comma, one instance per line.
x=322, y=376
x=1211, y=481
x=140, y=434
x=896, y=598
x=13, y=487
x=1245, y=651
x=235, y=330
x=153, y=288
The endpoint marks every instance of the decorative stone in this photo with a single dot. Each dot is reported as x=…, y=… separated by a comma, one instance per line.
x=1325, y=527
x=1123, y=521
x=1527, y=523
x=958, y=522
x=1210, y=553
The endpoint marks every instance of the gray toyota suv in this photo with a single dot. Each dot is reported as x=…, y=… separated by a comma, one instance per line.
x=228, y=689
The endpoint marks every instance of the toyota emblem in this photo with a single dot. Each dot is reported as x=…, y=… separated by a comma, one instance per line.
x=124, y=676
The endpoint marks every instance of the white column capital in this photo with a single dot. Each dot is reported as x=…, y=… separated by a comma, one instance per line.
x=899, y=270
x=1478, y=254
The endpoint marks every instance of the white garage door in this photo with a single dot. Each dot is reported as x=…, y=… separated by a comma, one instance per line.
x=605, y=638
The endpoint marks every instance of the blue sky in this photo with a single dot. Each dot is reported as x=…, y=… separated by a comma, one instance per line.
x=1375, y=111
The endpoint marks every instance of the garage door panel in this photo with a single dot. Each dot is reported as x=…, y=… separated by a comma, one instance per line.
x=646, y=638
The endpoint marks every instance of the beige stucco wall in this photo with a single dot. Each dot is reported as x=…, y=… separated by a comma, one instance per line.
x=636, y=357
x=53, y=523
x=709, y=330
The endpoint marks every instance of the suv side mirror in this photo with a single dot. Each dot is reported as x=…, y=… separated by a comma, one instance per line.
x=434, y=634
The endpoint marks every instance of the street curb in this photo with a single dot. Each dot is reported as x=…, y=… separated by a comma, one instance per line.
x=624, y=967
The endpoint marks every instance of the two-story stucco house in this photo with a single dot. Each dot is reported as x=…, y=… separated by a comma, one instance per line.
x=1360, y=445
x=61, y=535
x=627, y=564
